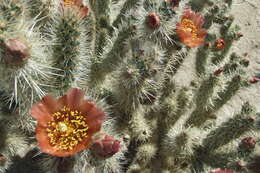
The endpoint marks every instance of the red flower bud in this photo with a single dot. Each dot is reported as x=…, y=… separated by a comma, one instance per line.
x=254, y=80
x=153, y=20
x=105, y=146
x=218, y=72
x=220, y=44
x=16, y=51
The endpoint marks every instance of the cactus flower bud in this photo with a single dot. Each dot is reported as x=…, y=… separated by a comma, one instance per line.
x=220, y=44
x=153, y=20
x=105, y=146
x=218, y=72
x=16, y=51
x=254, y=80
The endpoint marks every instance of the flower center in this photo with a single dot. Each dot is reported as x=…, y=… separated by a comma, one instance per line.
x=66, y=129
x=68, y=2
x=62, y=127
x=189, y=26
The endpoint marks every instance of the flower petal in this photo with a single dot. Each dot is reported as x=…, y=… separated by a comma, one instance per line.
x=74, y=97
x=95, y=114
x=187, y=13
x=85, y=106
x=86, y=142
x=43, y=141
x=50, y=103
x=202, y=33
x=198, y=20
x=94, y=126
x=195, y=17
x=62, y=101
x=83, y=11
x=41, y=113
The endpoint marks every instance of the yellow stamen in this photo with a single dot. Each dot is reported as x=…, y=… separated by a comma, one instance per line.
x=66, y=129
x=68, y=2
x=189, y=26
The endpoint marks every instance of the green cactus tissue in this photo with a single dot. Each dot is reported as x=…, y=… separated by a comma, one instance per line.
x=126, y=86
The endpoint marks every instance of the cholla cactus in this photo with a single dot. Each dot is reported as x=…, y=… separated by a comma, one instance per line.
x=125, y=55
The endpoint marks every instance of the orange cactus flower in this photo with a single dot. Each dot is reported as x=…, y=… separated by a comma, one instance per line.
x=78, y=5
x=65, y=125
x=190, y=29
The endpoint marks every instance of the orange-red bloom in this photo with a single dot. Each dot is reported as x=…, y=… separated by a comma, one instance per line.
x=78, y=5
x=190, y=29
x=65, y=125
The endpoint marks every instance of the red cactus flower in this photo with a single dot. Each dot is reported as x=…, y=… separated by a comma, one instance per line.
x=65, y=125
x=190, y=29
x=221, y=171
x=220, y=44
x=78, y=5
x=105, y=145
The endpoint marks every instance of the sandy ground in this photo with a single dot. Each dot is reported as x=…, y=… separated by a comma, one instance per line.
x=247, y=15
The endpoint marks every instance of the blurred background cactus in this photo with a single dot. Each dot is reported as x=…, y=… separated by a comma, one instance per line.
x=127, y=55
